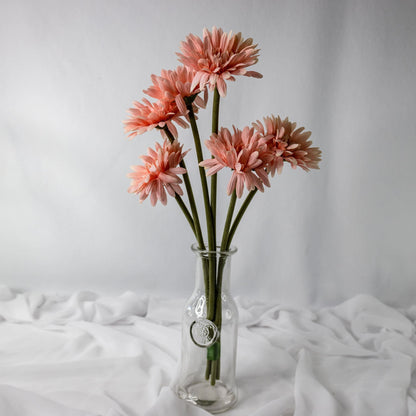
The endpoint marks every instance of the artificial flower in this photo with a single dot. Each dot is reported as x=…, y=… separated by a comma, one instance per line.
x=287, y=144
x=175, y=86
x=145, y=116
x=244, y=153
x=218, y=57
x=159, y=173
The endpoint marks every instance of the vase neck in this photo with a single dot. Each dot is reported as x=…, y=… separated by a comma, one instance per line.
x=209, y=263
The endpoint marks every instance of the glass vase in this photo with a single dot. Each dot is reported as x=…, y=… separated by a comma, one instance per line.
x=206, y=374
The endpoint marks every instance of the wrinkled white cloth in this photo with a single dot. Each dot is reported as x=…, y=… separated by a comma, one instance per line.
x=89, y=355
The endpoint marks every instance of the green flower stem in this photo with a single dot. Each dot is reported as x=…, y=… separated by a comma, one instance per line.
x=186, y=212
x=213, y=263
x=214, y=371
x=212, y=266
x=221, y=265
x=189, y=190
x=209, y=281
x=239, y=215
x=205, y=268
x=222, y=261
x=200, y=156
x=227, y=224
x=226, y=243
x=208, y=370
x=215, y=119
x=215, y=111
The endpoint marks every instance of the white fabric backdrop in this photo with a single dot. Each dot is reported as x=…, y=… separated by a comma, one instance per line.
x=88, y=355
x=345, y=70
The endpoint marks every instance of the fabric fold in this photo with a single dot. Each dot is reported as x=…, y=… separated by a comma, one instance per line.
x=89, y=355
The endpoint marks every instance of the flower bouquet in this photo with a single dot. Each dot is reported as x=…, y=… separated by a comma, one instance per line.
x=253, y=154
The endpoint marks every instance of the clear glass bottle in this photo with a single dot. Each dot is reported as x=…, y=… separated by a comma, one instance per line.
x=206, y=375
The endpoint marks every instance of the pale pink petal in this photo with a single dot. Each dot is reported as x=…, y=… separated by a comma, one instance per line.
x=232, y=183
x=253, y=74
x=204, y=79
x=205, y=96
x=214, y=170
x=222, y=87
x=180, y=102
x=153, y=194
x=279, y=167
x=249, y=180
x=239, y=185
x=180, y=122
x=199, y=102
x=172, y=129
x=179, y=171
x=263, y=176
x=207, y=163
x=196, y=79
x=170, y=189
x=162, y=195
x=168, y=178
x=177, y=189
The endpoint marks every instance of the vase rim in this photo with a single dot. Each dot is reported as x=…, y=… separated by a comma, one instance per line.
x=195, y=248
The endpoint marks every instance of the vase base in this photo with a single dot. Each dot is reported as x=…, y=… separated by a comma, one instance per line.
x=214, y=399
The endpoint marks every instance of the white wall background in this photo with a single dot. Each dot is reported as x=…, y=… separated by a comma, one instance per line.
x=69, y=70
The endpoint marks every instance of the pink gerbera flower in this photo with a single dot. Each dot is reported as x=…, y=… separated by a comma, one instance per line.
x=217, y=57
x=244, y=153
x=145, y=116
x=159, y=173
x=175, y=86
x=288, y=144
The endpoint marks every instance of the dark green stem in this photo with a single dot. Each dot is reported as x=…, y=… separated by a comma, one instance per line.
x=215, y=366
x=223, y=259
x=186, y=212
x=239, y=215
x=215, y=111
x=215, y=119
x=208, y=370
x=209, y=281
x=227, y=224
x=202, y=175
x=188, y=186
x=213, y=199
x=212, y=269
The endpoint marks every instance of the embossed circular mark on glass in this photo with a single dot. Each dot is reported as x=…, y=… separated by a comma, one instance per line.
x=204, y=332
